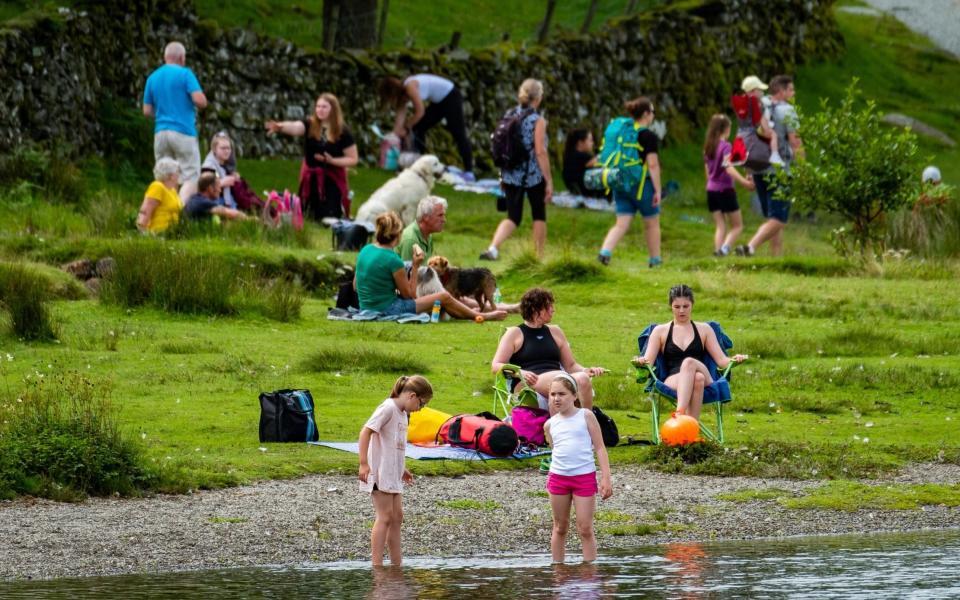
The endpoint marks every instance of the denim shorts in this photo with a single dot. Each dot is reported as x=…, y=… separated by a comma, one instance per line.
x=628, y=204
x=772, y=209
x=401, y=306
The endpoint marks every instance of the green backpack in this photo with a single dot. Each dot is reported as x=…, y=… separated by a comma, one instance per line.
x=623, y=170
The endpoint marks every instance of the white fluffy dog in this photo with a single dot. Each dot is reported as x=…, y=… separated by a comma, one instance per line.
x=402, y=193
x=428, y=282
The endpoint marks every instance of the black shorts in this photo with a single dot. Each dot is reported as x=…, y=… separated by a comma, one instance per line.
x=725, y=201
x=514, y=196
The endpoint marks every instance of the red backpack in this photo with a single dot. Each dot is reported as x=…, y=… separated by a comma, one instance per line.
x=495, y=438
x=749, y=148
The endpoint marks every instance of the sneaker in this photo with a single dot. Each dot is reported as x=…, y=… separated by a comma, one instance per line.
x=719, y=253
x=776, y=160
x=744, y=250
x=604, y=259
x=487, y=255
x=469, y=177
x=655, y=262
x=545, y=465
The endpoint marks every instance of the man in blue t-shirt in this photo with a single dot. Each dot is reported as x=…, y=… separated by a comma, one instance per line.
x=171, y=97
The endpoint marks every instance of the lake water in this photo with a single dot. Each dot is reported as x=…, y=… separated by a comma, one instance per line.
x=914, y=565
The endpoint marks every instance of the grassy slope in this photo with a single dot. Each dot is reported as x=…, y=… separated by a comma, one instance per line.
x=838, y=357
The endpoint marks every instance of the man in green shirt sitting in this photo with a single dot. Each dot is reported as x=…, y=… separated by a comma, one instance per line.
x=431, y=217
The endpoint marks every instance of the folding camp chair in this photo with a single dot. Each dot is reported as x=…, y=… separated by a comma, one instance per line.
x=509, y=390
x=717, y=393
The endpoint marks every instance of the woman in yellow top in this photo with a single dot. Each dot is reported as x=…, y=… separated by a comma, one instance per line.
x=161, y=205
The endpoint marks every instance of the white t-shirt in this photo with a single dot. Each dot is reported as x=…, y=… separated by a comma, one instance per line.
x=433, y=88
x=572, y=446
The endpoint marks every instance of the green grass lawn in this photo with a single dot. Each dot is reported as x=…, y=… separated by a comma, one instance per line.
x=850, y=374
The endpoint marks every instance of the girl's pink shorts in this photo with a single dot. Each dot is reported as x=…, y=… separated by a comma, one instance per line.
x=578, y=485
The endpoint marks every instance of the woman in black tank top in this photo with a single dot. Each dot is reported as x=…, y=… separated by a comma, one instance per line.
x=685, y=344
x=541, y=350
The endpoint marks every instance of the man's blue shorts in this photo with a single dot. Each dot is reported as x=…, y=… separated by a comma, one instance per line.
x=772, y=209
x=401, y=306
x=628, y=204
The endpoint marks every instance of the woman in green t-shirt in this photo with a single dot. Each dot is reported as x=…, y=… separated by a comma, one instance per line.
x=384, y=285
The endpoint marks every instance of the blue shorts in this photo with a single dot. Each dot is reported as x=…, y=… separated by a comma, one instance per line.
x=628, y=204
x=772, y=209
x=401, y=306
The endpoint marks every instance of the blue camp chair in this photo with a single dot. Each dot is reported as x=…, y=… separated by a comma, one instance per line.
x=717, y=393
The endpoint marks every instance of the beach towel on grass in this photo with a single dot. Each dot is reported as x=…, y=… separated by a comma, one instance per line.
x=432, y=452
x=352, y=314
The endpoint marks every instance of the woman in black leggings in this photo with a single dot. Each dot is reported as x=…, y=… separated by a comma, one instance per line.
x=532, y=178
x=445, y=102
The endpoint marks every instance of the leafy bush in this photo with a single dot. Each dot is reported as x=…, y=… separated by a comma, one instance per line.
x=24, y=293
x=857, y=168
x=59, y=439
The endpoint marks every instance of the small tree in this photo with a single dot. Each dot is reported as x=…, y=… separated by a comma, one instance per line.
x=856, y=167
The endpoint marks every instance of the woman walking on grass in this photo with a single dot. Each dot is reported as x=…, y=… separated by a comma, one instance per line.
x=721, y=195
x=382, y=473
x=574, y=434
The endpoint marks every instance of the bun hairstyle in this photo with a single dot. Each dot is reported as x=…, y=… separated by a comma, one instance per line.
x=638, y=107
x=681, y=291
x=389, y=227
x=530, y=91
x=568, y=382
x=417, y=384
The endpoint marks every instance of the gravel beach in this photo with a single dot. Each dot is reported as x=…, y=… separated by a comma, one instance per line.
x=325, y=518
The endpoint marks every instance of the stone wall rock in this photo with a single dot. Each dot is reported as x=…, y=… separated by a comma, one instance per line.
x=58, y=70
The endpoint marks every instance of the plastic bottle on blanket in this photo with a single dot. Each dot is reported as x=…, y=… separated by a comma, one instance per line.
x=435, y=314
x=497, y=297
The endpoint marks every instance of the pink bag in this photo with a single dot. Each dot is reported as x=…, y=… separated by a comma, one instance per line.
x=528, y=422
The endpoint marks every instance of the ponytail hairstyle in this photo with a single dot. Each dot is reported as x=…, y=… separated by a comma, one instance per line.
x=568, y=382
x=417, y=384
x=718, y=124
x=530, y=91
x=638, y=107
x=680, y=291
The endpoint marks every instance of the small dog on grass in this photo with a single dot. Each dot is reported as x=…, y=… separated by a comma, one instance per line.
x=477, y=283
x=428, y=282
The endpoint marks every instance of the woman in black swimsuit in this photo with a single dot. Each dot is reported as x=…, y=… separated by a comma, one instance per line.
x=684, y=345
x=541, y=350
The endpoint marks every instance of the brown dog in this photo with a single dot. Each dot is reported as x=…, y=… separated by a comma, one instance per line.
x=478, y=283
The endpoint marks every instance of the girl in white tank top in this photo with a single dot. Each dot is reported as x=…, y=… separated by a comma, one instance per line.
x=574, y=434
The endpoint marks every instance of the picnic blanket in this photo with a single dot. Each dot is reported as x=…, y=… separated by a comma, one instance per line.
x=435, y=452
x=353, y=314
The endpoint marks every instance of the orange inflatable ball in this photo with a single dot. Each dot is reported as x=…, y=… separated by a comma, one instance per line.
x=479, y=319
x=679, y=430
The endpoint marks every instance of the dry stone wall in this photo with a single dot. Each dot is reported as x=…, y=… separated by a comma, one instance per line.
x=60, y=71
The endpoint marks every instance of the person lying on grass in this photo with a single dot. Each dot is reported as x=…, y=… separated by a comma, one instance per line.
x=381, y=276
x=541, y=350
x=684, y=345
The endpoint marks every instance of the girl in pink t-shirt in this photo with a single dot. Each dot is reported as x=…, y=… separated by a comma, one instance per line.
x=721, y=196
x=383, y=441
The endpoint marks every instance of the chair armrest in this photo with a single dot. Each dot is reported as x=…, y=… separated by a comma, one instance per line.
x=644, y=372
x=729, y=367
x=510, y=371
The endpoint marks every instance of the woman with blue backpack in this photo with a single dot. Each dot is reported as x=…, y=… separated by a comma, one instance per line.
x=632, y=172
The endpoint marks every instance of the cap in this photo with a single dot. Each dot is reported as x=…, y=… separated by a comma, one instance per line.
x=751, y=83
x=931, y=175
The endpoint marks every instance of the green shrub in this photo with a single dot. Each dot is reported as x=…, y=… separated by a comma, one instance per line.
x=59, y=439
x=54, y=174
x=152, y=272
x=24, y=294
x=282, y=300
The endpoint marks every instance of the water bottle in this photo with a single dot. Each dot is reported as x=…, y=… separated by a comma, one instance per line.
x=497, y=297
x=435, y=314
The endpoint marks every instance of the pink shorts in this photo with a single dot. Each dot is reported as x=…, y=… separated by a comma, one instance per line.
x=578, y=485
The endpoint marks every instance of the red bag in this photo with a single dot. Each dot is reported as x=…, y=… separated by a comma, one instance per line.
x=495, y=438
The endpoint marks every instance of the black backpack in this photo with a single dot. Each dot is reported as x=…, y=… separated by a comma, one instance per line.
x=287, y=416
x=611, y=437
x=506, y=141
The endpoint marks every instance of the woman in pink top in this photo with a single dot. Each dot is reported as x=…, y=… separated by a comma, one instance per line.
x=383, y=441
x=721, y=196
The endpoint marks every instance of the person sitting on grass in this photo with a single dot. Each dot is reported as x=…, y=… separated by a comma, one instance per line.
x=204, y=205
x=381, y=275
x=161, y=204
x=578, y=156
x=541, y=350
x=684, y=345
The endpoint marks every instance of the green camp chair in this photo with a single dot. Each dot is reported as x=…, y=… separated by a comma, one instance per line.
x=716, y=394
x=509, y=390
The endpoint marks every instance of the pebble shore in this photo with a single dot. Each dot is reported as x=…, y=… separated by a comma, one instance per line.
x=325, y=518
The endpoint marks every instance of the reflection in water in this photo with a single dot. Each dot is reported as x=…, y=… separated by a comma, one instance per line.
x=878, y=566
